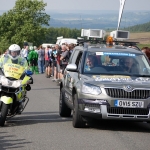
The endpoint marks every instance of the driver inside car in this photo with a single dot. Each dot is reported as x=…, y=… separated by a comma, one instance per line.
x=89, y=63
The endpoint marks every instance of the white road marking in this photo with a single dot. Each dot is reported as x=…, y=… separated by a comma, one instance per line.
x=39, y=119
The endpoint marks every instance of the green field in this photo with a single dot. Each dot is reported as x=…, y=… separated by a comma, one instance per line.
x=143, y=38
x=143, y=45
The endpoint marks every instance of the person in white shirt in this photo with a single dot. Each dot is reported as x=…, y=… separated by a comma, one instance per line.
x=25, y=53
x=35, y=49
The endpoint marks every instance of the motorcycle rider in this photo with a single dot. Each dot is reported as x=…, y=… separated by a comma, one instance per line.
x=14, y=57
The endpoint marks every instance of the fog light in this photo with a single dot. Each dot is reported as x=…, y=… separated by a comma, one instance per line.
x=92, y=109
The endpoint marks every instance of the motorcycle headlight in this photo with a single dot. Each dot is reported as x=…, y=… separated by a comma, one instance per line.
x=6, y=82
x=90, y=89
x=16, y=83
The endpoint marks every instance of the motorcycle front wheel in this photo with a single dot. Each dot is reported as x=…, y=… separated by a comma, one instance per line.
x=3, y=114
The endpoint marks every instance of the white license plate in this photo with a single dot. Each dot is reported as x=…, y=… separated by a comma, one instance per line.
x=129, y=104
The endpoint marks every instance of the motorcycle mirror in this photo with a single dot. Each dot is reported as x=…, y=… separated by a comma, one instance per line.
x=28, y=87
x=29, y=72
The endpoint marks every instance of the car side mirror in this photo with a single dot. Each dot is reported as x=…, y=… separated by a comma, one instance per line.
x=72, y=68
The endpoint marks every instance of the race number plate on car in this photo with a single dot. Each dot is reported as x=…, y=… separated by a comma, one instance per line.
x=129, y=104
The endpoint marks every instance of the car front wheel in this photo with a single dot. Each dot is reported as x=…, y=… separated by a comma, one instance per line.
x=77, y=119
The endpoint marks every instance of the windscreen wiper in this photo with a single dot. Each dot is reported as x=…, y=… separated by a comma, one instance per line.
x=140, y=75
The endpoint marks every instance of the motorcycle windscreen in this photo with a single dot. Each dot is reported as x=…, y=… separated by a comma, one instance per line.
x=13, y=70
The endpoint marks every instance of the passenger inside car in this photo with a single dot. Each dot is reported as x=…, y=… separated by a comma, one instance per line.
x=130, y=65
x=115, y=63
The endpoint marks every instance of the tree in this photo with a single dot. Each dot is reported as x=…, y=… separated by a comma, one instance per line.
x=4, y=44
x=53, y=33
x=26, y=21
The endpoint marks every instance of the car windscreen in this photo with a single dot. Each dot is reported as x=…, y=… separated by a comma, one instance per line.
x=117, y=63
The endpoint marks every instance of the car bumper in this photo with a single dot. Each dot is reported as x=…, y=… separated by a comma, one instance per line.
x=104, y=111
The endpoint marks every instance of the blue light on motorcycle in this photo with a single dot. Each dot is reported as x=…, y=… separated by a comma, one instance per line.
x=29, y=72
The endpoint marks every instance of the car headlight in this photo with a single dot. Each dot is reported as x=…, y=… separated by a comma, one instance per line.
x=6, y=82
x=90, y=89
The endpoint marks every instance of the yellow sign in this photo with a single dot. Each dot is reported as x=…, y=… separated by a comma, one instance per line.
x=13, y=70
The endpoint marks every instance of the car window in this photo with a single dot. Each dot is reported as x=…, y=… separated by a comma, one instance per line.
x=116, y=63
x=78, y=60
x=74, y=57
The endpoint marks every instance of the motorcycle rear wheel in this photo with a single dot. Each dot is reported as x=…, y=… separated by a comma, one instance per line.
x=3, y=115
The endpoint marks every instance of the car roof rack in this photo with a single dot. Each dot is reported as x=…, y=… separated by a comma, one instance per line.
x=130, y=44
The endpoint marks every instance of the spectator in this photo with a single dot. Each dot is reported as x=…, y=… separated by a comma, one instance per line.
x=25, y=52
x=33, y=57
x=48, y=62
x=35, y=49
x=6, y=52
x=144, y=49
x=41, y=55
x=25, y=43
x=54, y=58
x=53, y=48
x=59, y=67
x=71, y=47
x=64, y=58
x=147, y=53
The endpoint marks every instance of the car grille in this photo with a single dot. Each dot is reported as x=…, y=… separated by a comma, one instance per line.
x=120, y=93
x=92, y=105
x=9, y=90
x=132, y=111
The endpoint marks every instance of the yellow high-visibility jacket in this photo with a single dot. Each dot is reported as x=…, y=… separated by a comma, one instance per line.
x=6, y=59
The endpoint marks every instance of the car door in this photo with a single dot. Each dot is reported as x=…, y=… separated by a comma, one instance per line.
x=72, y=77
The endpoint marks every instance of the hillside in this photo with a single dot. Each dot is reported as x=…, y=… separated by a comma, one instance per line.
x=139, y=28
x=97, y=20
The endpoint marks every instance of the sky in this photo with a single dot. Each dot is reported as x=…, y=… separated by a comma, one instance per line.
x=85, y=5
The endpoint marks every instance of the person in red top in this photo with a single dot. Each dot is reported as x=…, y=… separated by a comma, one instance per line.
x=147, y=52
x=48, y=62
x=59, y=69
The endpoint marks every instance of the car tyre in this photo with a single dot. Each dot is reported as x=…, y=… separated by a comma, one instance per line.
x=77, y=119
x=64, y=110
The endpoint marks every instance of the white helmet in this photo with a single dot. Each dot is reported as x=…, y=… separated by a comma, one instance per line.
x=14, y=48
x=31, y=48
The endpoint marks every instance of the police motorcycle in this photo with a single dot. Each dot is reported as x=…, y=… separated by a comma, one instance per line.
x=14, y=84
